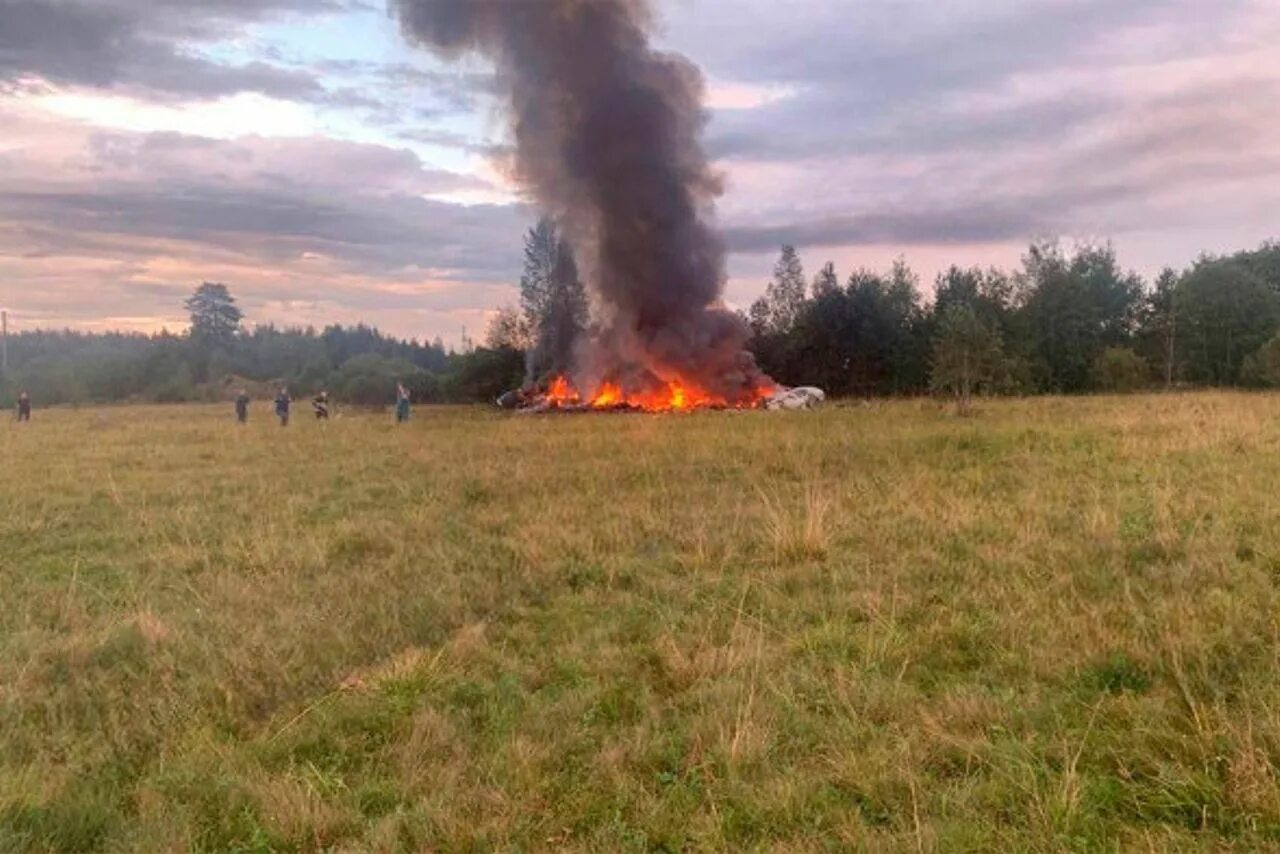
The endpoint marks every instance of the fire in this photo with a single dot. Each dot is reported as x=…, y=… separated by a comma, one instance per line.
x=669, y=396
x=560, y=392
x=609, y=395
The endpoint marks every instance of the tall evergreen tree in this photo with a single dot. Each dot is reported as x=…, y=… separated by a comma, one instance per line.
x=553, y=299
x=540, y=247
x=214, y=314
x=566, y=315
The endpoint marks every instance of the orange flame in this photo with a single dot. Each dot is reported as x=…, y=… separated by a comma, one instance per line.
x=609, y=395
x=560, y=392
x=671, y=396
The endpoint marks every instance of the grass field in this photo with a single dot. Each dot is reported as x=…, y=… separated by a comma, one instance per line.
x=1050, y=625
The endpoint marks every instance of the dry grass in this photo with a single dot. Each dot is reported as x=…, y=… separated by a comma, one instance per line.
x=1051, y=625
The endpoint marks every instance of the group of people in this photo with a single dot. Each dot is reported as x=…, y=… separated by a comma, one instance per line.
x=319, y=405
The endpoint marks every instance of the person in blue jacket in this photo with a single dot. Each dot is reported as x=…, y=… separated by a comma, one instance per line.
x=282, y=407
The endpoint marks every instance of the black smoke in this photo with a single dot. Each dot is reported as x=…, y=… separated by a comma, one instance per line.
x=607, y=132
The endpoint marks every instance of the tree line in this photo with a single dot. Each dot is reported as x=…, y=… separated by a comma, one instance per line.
x=218, y=356
x=1065, y=322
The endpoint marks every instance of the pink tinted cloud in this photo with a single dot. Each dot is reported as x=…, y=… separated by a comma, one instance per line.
x=106, y=226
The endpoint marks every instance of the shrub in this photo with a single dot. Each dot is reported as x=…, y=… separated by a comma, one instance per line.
x=483, y=374
x=1119, y=369
x=1262, y=369
x=370, y=380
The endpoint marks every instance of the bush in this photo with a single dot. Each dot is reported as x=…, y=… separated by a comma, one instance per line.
x=1119, y=369
x=1262, y=369
x=370, y=380
x=425, y=387
x=483, y=374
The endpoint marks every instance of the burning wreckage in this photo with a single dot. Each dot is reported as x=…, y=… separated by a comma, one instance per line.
x=606, y=132
x=561, y=397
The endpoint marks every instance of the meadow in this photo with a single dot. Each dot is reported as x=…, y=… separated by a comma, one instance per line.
x=1050, y=625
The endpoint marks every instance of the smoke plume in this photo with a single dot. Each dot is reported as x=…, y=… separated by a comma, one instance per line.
x=607, y=142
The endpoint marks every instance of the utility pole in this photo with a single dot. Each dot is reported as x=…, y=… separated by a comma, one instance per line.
x=4, y=342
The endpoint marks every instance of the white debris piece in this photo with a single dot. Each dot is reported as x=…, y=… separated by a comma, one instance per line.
x=793, y=399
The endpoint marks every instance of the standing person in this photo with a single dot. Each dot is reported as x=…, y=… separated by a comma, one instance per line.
x=282, y=407
x=242, y=407
x=24, y=407
x=402, y=403
x=320, y=403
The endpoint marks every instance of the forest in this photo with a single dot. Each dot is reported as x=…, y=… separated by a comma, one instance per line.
x=1066, y=321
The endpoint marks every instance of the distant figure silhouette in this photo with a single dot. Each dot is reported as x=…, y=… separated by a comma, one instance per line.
x=242, y=407
x=402, y=403
x=320, y=403
x=24, y=407
x=282, y=407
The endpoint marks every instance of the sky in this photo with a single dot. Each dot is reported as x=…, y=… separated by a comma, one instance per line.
x=303, y=153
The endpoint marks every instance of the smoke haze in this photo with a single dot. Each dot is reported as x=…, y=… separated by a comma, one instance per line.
x=607, y=133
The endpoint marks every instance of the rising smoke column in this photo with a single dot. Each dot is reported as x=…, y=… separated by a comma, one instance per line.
x=607, y=142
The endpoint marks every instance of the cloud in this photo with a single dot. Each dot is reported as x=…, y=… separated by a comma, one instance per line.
x=867, y=129
x=911, y=78
x=147, y=45
x=121, y=224
x=910, y=124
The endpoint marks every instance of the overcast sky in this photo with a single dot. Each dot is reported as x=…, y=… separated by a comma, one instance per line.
x=303, y=153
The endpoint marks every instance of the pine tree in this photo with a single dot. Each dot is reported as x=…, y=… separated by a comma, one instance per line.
x=540, y=245
x=214, y=314
x=553, y=300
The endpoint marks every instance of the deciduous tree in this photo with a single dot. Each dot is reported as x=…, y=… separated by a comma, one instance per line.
x=967, y=355
x=508, y=328
x=826, y=282
x=1075, y=306
x=1226, y=312
x=784, y=297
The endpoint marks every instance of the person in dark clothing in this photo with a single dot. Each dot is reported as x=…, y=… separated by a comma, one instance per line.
x=282, y=407
x=402, y=403
x=242, y=407
x=24, y=407
x=320, y=403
